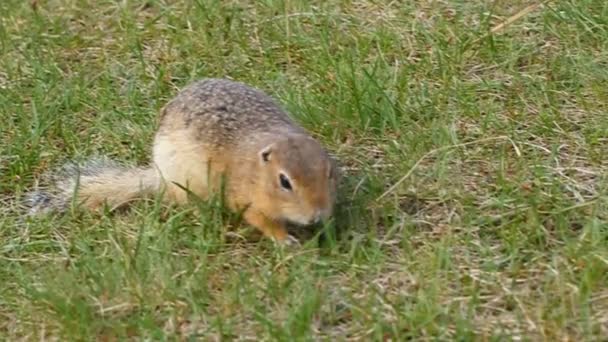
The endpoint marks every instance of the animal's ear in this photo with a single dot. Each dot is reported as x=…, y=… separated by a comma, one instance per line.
x=266, y=153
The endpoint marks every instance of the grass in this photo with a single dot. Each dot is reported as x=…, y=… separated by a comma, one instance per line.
x=496, y=228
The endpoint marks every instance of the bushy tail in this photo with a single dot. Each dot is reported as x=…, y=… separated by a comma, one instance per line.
x=91, y=185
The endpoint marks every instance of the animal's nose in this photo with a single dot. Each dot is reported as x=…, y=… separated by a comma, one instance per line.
x=317, y=217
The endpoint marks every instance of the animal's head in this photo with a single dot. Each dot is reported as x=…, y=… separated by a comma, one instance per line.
x=298, y=181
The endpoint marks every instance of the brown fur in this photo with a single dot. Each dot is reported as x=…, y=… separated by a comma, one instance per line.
x=215, y=128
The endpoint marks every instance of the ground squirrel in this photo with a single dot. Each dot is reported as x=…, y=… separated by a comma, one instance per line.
x=215, y=132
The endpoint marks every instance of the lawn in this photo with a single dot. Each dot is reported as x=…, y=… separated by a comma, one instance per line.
x=473, y=138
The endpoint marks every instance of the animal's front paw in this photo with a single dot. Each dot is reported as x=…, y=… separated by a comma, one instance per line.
x=289, y=241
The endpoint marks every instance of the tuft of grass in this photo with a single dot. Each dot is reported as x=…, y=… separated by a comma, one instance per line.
x=473, y=142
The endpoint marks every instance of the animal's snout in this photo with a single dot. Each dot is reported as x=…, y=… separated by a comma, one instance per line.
x=318, y=216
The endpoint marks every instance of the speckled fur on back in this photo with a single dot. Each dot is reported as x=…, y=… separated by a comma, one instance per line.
x=223, y=111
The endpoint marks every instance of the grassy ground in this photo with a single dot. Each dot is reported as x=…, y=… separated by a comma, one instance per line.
x=496, y=143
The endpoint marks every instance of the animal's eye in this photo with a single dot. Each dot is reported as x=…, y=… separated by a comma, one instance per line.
x=285, y=184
